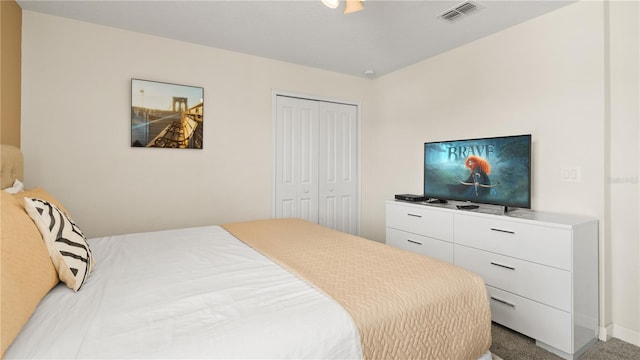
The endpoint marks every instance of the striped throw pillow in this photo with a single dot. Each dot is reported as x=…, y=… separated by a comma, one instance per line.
x=65, y=242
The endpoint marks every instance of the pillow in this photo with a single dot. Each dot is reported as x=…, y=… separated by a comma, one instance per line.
x=15, y=188
x=26, y=271
x=67, y=245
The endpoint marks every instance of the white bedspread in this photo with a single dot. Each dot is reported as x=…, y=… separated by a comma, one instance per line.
x=189, y=293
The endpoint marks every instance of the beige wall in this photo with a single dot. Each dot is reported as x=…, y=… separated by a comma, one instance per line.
x=544, y=77
x=76, y=112
x=10, y=71
x=559, y=77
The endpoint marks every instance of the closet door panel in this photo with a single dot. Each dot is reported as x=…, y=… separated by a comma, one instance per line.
x=338, y=184
x=316, y=156
x=296, y=142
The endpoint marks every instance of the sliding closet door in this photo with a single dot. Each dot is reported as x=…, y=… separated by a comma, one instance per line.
x=296, y=157
x=316, y=162
x=338, y=167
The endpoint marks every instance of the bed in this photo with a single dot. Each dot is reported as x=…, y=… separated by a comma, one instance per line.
x=272, y=288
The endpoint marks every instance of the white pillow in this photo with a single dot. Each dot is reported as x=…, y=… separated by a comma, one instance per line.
x=67, y=245
x=15, y=188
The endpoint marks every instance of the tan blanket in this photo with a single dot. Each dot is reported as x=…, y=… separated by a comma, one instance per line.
x=405, y=305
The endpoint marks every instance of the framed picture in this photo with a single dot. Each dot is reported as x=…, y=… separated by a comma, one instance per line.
x=166, y=115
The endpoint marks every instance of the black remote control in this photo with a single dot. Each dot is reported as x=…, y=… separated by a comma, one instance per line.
x=467, y=207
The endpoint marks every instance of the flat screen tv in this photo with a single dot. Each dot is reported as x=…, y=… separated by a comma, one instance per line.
x=495, y=170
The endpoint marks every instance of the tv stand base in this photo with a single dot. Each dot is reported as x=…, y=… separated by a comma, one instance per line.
x=436, y=201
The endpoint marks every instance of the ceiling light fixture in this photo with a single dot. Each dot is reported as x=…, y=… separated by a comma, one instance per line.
x=350, y=6
x=331, y=4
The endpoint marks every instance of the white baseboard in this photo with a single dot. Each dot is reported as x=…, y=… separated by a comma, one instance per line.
x=627, y=335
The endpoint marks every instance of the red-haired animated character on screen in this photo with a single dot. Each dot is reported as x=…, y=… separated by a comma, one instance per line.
x=478, y=183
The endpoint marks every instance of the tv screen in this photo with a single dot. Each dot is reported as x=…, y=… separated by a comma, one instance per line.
x=494, y=170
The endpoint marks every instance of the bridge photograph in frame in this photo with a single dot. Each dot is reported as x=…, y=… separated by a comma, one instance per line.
x=165, y=115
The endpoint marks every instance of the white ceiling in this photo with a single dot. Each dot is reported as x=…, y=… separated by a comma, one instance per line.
x=387, y=35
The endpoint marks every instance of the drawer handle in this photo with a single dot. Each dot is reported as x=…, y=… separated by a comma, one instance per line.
x=503, y=266
x=415, y=215
x=503, y=231
x=503, y=302
x=414, y=242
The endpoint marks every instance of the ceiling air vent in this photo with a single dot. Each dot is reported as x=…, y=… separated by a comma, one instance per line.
x=459, y=11
x=451, y=15
x=466, y=7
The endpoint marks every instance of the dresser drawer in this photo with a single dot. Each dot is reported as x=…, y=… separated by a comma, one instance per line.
x=536, y=243
x=537, y=282
x=543, y=323
x=435, y=248
x=420, y=220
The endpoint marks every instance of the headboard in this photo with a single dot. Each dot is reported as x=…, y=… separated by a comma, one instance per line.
x=28, y=273
x=11, y=165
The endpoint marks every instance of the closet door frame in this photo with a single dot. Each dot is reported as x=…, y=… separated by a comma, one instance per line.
x=274, y=114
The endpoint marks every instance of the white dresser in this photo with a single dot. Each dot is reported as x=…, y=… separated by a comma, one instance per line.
x=541, y=269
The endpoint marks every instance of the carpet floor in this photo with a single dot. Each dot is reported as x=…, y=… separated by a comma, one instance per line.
x=510, y=345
